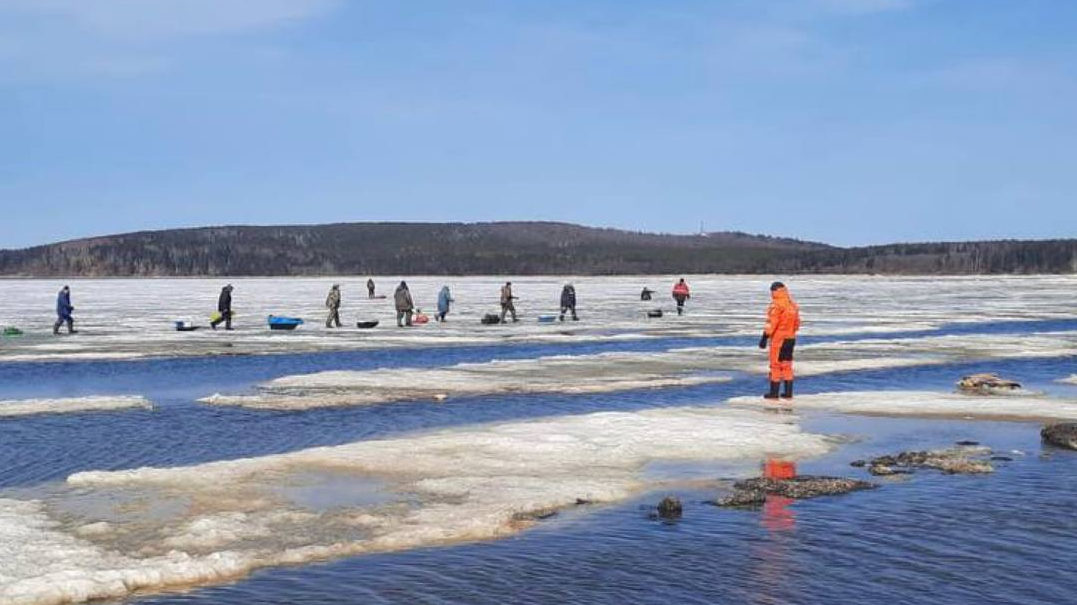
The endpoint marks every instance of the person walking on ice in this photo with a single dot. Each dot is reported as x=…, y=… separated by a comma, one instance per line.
x=224, y=309
x=63, y=312
x=507, y=306
x=681, y=294
x=332, y=302
x=783, y=321
x=445, y=301
x=370, y=287
x=404, y=305
x=568, y=302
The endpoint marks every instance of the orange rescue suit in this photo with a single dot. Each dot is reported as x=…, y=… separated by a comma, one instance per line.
x=783, y=321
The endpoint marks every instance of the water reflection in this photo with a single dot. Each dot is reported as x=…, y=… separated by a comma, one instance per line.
x=772, y=559
x=777, y=516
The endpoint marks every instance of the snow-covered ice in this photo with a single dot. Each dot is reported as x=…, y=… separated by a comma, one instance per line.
x=117, y=315
x=601, y=373
x=618, y=371
x=28, y=407
x=928, y=404
x=469, y=483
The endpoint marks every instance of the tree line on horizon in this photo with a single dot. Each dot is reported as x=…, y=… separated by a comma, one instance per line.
x=509, y=249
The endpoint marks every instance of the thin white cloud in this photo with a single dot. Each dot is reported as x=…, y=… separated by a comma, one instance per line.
x=860, y=7
x=167, y=18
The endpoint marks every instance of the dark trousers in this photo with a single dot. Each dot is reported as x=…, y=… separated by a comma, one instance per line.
x=508, y=308
x=61, y=321
x=226, y=317
x=403, y=318
x=573, y=309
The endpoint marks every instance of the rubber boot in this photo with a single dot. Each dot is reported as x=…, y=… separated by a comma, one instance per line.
x=773, y=394
x=787, y=393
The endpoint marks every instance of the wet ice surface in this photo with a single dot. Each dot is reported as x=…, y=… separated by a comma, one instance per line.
x=537, y=415
x=72, y=405
x=611, y=372
x=1026, y=406
x=449, y=486
x=117, y=316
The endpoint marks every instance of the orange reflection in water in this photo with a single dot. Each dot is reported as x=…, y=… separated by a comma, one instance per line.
x=777, y=516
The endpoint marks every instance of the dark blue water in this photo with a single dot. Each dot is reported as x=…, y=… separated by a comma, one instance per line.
x=1004, y=538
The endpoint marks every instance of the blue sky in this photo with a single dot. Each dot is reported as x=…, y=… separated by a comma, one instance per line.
x=846, y=121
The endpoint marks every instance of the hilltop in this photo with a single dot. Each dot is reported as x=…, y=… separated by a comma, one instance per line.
x=509, y=248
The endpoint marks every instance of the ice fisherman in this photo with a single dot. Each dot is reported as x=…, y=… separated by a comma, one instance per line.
x=370, y=287
x=783, y=321
x=445, y=301
x=224, y=309
x=646, y=293
x=507, y=306
x=404, y=305
x=63, y=312
x=568, y=302
x=681, y=294
x=332, y=302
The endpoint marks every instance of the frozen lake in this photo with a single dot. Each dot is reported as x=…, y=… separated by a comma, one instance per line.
x=136, y=460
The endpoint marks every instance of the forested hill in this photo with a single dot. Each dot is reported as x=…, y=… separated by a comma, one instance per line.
x=509, y=248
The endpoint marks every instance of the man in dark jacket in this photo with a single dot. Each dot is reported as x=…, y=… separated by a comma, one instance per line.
x=224, y=309
x=404, y=305
x=507, y=306
x=568, y=301
x=63, y=312
x=332, y=302
x=370, y=287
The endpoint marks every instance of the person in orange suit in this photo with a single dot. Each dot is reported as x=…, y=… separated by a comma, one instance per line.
x=680, y=294
x=783, y=321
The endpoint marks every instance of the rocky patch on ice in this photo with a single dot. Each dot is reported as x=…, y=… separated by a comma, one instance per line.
x=1062, y=435
x=754, y=492
x=988, y=384
x=961, y=460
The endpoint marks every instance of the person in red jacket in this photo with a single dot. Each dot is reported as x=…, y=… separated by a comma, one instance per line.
x=783, y=321
x=680, y=294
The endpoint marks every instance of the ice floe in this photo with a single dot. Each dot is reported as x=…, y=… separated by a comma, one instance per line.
x=470, y=483
x=117, y=315
x=621, y=371
x=28, y=407
x=1030, y=406
x=607, y=372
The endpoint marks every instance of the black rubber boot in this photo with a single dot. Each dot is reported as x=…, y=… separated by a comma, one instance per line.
x=773, y=394
x=787, y=393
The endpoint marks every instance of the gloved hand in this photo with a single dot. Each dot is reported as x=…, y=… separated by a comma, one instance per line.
x=763, y=342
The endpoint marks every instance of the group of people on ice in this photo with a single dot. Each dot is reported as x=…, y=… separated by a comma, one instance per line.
x=779, y=332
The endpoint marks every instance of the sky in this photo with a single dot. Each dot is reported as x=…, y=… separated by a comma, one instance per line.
x=844, y=121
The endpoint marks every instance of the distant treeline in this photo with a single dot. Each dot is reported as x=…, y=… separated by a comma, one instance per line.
x=511, y=248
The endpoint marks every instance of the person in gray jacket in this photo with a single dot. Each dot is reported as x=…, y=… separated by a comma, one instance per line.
x=404, y=305
x=332, y=302
x=507, y=306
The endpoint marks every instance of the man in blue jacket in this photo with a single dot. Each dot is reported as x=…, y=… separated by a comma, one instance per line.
x=445, y=300
x=63, y=312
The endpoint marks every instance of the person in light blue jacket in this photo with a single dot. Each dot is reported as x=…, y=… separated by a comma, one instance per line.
x=63, y=312
x=445, y=299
